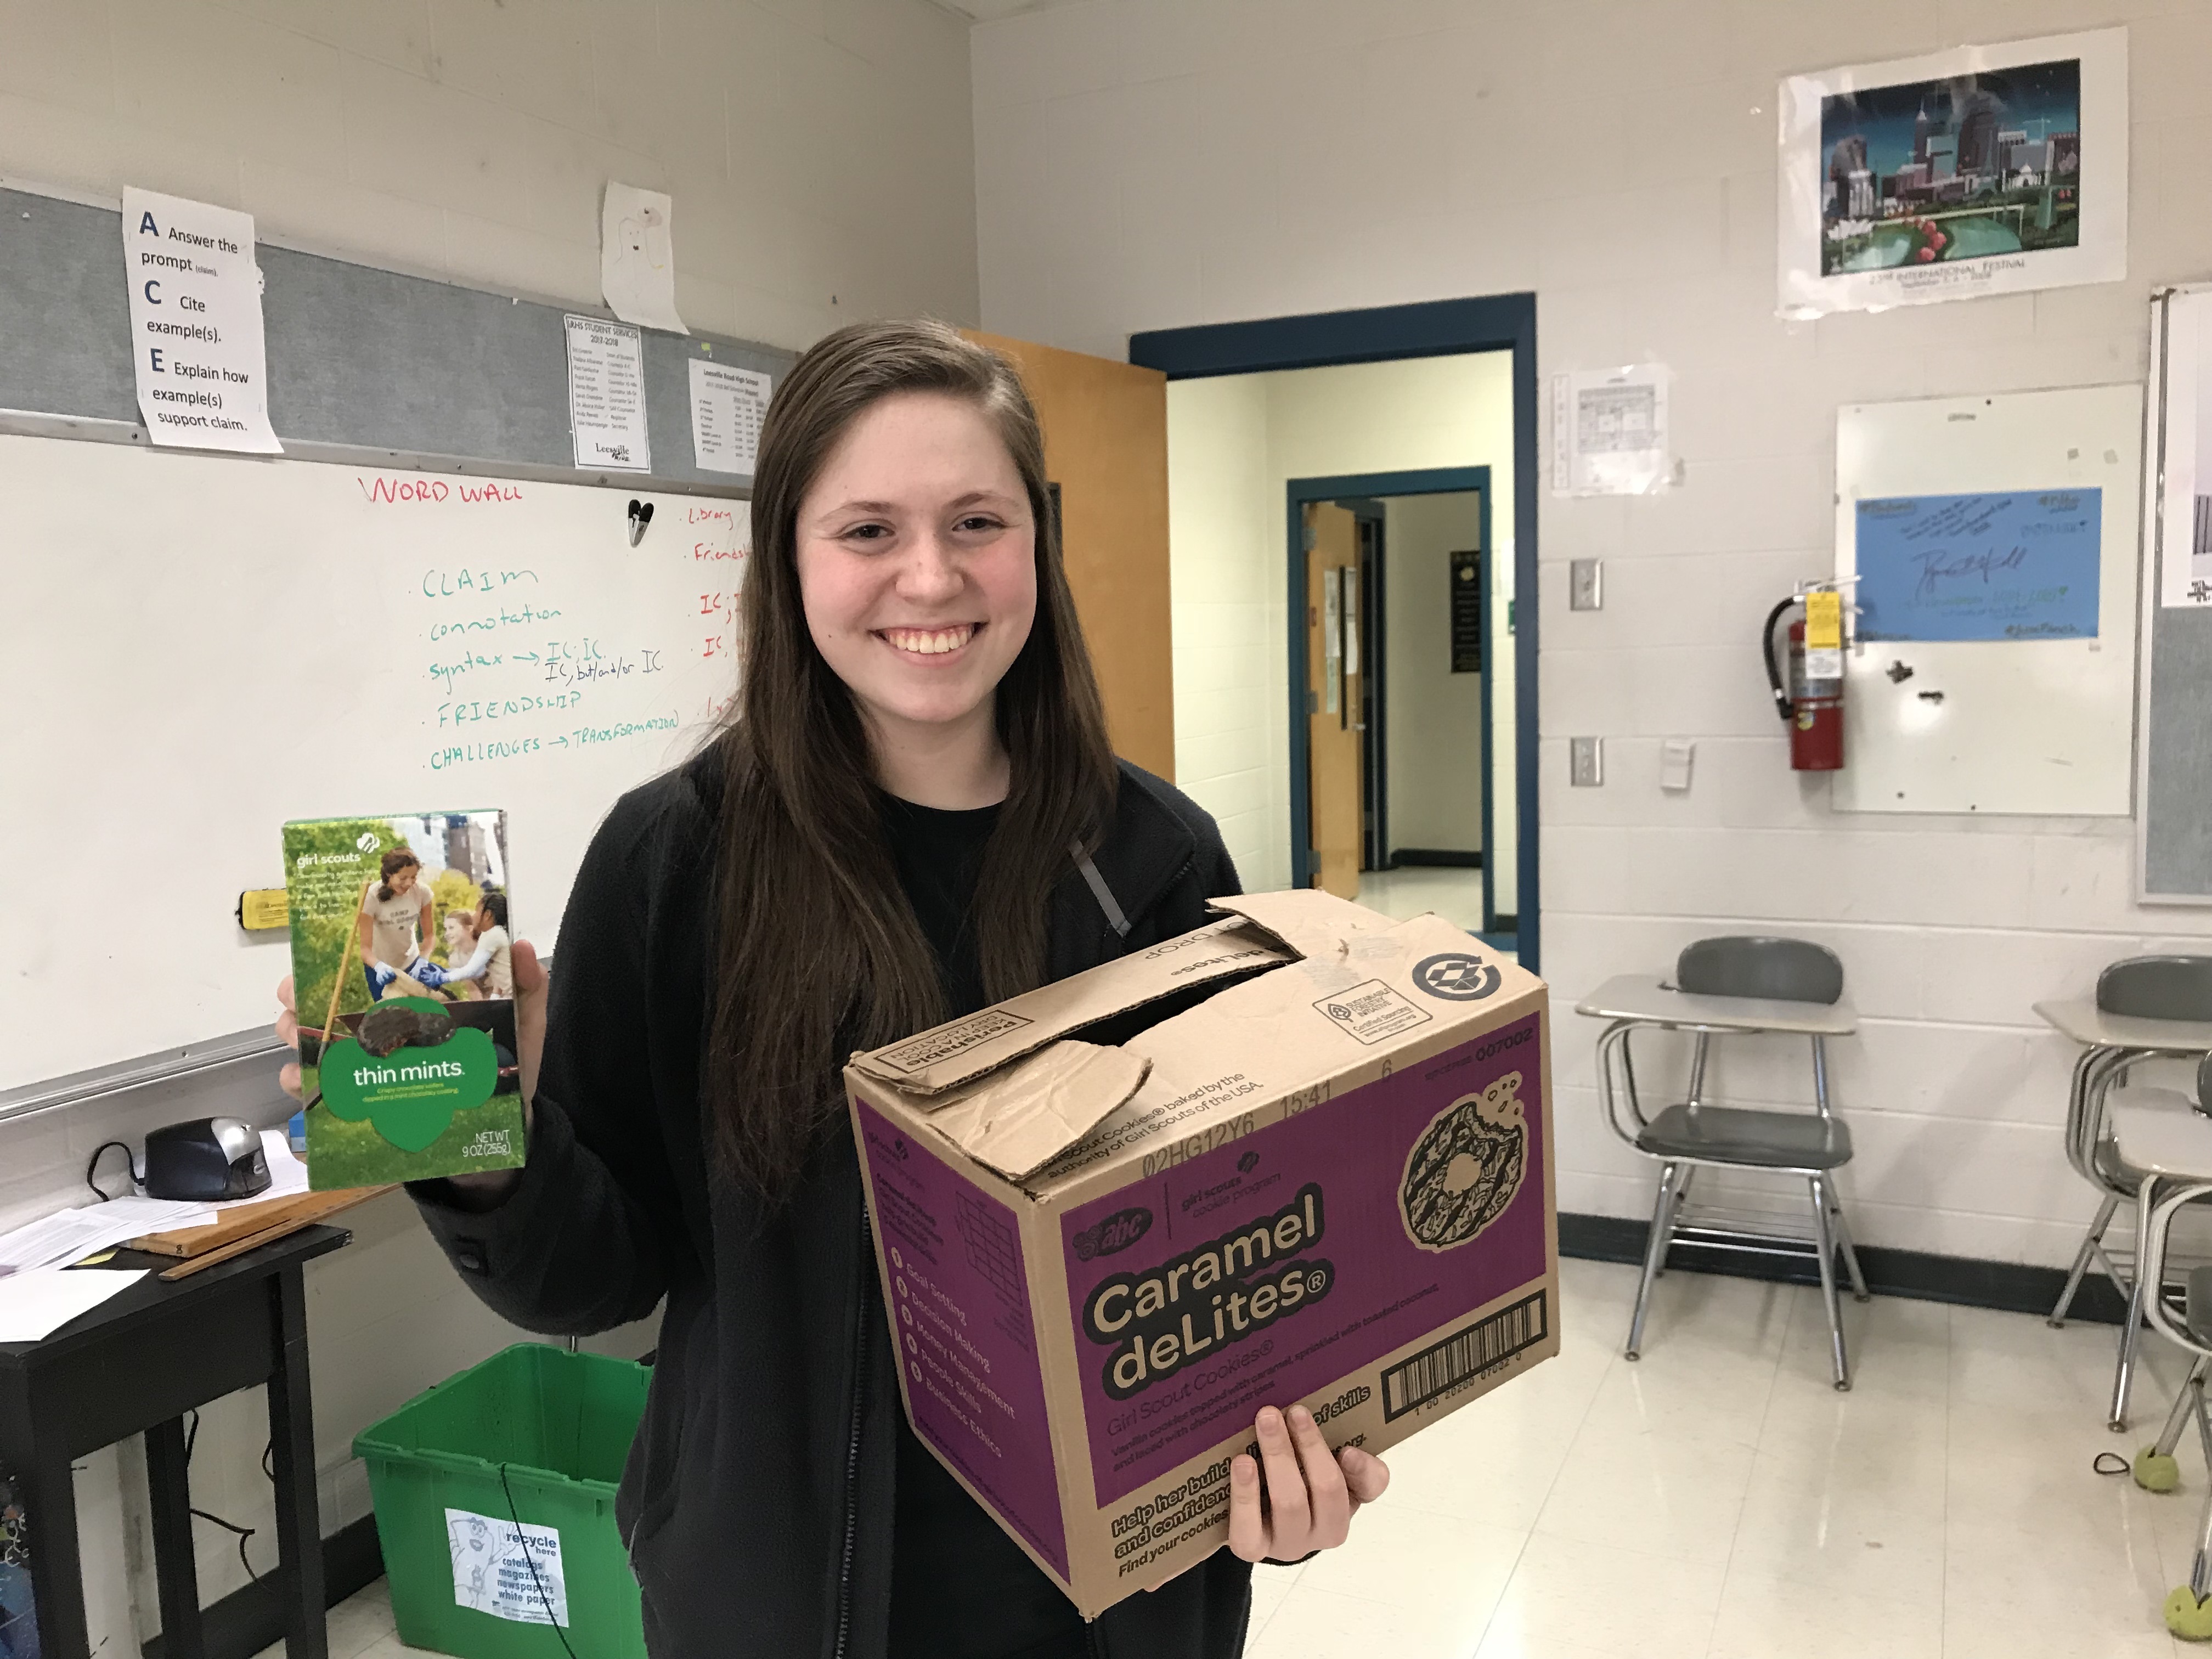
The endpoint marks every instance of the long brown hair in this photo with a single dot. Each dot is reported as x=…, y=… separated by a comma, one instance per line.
x=818, y=949
x=390, y=865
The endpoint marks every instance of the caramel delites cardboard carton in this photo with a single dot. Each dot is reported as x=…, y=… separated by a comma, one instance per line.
x=1329, y=1181
x=403, y=978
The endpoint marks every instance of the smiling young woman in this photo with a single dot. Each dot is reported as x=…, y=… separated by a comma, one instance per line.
x=913, y=812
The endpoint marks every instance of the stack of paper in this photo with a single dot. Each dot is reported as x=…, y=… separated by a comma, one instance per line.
x=33, y=1305
x=73, y=1235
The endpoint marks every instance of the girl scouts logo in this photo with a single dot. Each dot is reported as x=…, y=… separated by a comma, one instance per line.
x=1454, y=977
x=407, y=1070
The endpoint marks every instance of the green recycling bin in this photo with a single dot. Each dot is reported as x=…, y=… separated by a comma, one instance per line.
x=494, y=1495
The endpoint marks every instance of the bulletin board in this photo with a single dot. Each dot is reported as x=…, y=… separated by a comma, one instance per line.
x=1990, y=546
x=366, y=366
x=2173, y=864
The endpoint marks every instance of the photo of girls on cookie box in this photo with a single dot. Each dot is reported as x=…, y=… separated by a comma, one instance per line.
x=1326, y=1178
x=403, y=974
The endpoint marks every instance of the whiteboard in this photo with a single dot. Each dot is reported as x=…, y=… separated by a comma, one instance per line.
x=2013, y=726
x=202, y=647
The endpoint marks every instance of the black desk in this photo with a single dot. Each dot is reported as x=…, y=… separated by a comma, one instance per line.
x=136, y=1364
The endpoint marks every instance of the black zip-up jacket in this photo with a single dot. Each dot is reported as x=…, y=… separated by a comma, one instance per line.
x=757, y=1501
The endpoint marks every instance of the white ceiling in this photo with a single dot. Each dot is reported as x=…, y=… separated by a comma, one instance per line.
x=984, y=11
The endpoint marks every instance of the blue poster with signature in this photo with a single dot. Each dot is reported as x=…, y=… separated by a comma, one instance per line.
x=2016, y=564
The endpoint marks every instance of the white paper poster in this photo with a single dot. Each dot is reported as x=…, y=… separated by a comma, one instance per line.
x=508, y=1571
x=197, y=348
x=2184, y=522
x=727, y=407
x=1985, y=170
x=606, y=395
x=637, y=259
x=1609, y=432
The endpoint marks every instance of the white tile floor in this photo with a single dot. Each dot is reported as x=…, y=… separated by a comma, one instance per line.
x=1720, y=1499
x=1455, y=895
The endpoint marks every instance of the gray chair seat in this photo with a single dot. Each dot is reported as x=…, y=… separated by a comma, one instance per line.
x=1736, y=1135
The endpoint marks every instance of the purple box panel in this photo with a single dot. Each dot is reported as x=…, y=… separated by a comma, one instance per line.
x=959, y=1296
x=1260, y=1272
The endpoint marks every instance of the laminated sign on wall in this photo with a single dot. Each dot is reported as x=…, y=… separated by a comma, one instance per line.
x=1985, y=170
x=1609, y=432
x=606, y=395
x=197, y=348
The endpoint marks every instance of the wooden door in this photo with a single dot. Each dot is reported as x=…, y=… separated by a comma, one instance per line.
x=1106, y=447
x=1334, y=730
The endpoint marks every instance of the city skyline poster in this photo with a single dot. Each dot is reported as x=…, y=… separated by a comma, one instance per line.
x=1985, y=170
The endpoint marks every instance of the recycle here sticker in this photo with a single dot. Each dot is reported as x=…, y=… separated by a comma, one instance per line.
x=507, y=1571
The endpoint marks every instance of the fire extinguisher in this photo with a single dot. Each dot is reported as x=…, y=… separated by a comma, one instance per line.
x=1812, y=706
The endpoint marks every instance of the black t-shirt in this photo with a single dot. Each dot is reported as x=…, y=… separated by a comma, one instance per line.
x=960, y=1587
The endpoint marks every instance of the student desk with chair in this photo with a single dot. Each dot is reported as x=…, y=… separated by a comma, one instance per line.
x=136, y=1364
x=2144, y=1008
x=1734, y=987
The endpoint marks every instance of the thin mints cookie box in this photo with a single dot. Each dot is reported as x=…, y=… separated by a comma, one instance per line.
x=402, y=973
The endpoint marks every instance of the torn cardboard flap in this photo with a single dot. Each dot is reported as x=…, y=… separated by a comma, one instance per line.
x=1026, y=1114
x=1316, y=925
x=963, y=1050
x=1374, y=988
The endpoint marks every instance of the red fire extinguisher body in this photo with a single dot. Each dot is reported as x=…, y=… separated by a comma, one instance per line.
x=1816, y=722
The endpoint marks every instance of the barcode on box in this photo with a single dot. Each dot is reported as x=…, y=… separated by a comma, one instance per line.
x=1414, y=1382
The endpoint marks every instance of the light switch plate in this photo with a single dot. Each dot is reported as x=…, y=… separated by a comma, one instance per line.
x=1675, y=756
x=1586, y=584
x=1586, y=761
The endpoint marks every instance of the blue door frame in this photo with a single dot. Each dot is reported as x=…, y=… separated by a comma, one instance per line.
x=1440, y=328
x=1428, y=480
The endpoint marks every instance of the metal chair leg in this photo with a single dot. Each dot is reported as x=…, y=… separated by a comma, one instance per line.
x=1859, y=1292
x=2115, y=1419
x=1675, y=1215
x=2095, y=1237
x=2200, y=1565
x=1655, y=1252
x=2189, y=1394
x=1826, y=1235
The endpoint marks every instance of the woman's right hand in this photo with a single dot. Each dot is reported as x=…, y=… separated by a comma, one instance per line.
x=482, y=1191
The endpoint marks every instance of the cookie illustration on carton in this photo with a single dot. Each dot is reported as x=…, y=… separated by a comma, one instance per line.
x=1467, y=1166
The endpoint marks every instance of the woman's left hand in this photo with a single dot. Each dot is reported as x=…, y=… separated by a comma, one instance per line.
x=1311, y=1496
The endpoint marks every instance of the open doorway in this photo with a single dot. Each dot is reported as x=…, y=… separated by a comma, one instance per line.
x=1381, y=418
x=1405, y=765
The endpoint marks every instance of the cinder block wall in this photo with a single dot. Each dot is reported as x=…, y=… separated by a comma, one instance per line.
x=818, y=150
x=1146, y=164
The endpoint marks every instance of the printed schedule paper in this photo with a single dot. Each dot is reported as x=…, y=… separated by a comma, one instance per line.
x=195, y=342
x=727, y=407
x=606, y=395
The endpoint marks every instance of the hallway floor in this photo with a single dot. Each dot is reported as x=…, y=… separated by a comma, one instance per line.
x=1720, y=1500
x=1455, y=895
